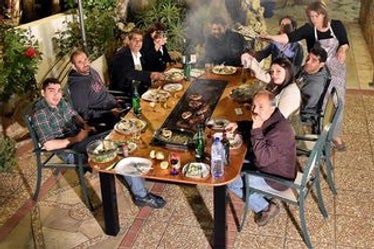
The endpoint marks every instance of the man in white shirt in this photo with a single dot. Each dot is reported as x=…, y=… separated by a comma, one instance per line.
x=127, y=65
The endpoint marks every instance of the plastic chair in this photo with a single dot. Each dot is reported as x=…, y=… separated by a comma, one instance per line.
x=298, y=190
x=331, y=115
x=48, y=162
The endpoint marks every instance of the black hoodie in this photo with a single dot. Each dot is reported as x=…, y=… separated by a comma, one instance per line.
x=89, y=96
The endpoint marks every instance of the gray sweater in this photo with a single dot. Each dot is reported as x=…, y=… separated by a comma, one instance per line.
x=312, y=87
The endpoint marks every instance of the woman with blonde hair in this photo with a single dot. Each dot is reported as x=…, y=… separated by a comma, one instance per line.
x=332, y=36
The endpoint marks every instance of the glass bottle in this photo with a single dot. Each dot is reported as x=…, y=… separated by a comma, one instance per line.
x=199, y=144
x=137, y=109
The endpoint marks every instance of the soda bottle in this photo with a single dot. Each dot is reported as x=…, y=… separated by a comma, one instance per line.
x=217, y=158
x=226, y=146
x=136, y=99
x=199, y=144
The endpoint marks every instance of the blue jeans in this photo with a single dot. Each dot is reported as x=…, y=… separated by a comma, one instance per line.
x=256, y=201
x=136, y=185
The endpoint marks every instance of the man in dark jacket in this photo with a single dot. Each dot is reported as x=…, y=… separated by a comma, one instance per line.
x=313, y=81
x=274, y=151
x=223, y=45
x=89, y=95
x=128, y=66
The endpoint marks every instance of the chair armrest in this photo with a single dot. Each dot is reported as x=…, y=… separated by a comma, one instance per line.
x=302, y=152
x=274, y=178
x=303, y=138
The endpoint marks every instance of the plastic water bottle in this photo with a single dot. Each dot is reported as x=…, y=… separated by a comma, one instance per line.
x=217, y=158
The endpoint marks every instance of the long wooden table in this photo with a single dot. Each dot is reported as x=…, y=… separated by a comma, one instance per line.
x=155, y=117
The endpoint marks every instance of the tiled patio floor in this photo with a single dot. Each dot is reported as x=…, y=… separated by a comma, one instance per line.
x=60, y=219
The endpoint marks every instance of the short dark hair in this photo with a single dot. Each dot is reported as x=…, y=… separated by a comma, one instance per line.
x=319, y=51
x=75, y=54
x=49, y=81
x=291, y=18
x=218, y=20
x=157, y=26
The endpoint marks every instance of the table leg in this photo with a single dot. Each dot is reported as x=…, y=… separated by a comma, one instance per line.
x=110, y=209
x=220, y=201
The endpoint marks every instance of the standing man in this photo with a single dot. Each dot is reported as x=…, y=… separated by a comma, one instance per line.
x=274, y=152
x=128, y=64
x=223, y=46
x=56, y=126
x=89, y=95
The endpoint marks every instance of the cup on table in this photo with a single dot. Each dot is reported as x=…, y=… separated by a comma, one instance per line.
x=208, y=67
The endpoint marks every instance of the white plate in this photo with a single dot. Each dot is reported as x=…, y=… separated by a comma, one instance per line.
x=196, y=170
x=133, y=166
x=129, y=126
x=130, y=145
x=173, y=87
x=156, y=95
x=174, y=76
x=224, y=70
x=217, y=123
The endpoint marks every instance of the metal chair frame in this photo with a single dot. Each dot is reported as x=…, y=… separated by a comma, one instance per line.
x=298, y=189
x=47, y=162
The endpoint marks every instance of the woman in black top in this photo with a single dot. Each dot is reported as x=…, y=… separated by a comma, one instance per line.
x=156, y=55
x=332, y=37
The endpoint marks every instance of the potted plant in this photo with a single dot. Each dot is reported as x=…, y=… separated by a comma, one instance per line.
x=19, y=64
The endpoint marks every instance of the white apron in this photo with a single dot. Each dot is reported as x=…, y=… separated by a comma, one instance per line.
x=337, y=71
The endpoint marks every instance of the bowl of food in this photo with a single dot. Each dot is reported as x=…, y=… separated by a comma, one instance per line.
x=102, y=152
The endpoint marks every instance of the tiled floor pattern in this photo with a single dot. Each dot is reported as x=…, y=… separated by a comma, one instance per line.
x=60, y=219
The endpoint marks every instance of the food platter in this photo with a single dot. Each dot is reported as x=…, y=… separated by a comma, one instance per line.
x=224, y=70
x=130, y=145
x=156, y=95
x=196, y=170
x=217, y=123
x=244, y=93
x=133, y=166
x=173, y=87
x=174, y=76
x=173, y=138
x=129, y=126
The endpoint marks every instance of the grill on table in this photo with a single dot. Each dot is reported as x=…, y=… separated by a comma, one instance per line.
x=182, y=129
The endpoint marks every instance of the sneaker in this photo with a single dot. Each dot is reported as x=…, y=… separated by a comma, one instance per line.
x=151, y=200
x=264, y=217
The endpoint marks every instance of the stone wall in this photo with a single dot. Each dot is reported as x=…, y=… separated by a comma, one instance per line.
x=367, y=23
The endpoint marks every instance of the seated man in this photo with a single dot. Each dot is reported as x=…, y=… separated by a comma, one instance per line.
x=127, y=65
x=274, y=152
x=90, y=97
x=56, y=126
x=223, y=45
x=313, y=80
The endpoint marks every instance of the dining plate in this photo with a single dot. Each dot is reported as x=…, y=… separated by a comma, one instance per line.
x=217, y=123
x=129, y=125
x=133, y=166
x=224, y=70
x=156, y=95
x=130, y=145
x=196, y=170
x=173, y=87
x=174, y=76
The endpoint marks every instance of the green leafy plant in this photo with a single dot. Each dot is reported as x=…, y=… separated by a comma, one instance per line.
x=19, y=63
x=169, y=12
x=100, y=29
x=7, y=154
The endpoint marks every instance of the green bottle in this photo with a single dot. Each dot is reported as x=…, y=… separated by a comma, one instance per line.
x=137, y=109
x=199, y=144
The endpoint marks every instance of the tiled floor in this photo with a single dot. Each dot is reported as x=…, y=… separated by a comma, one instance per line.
x=60, y=219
